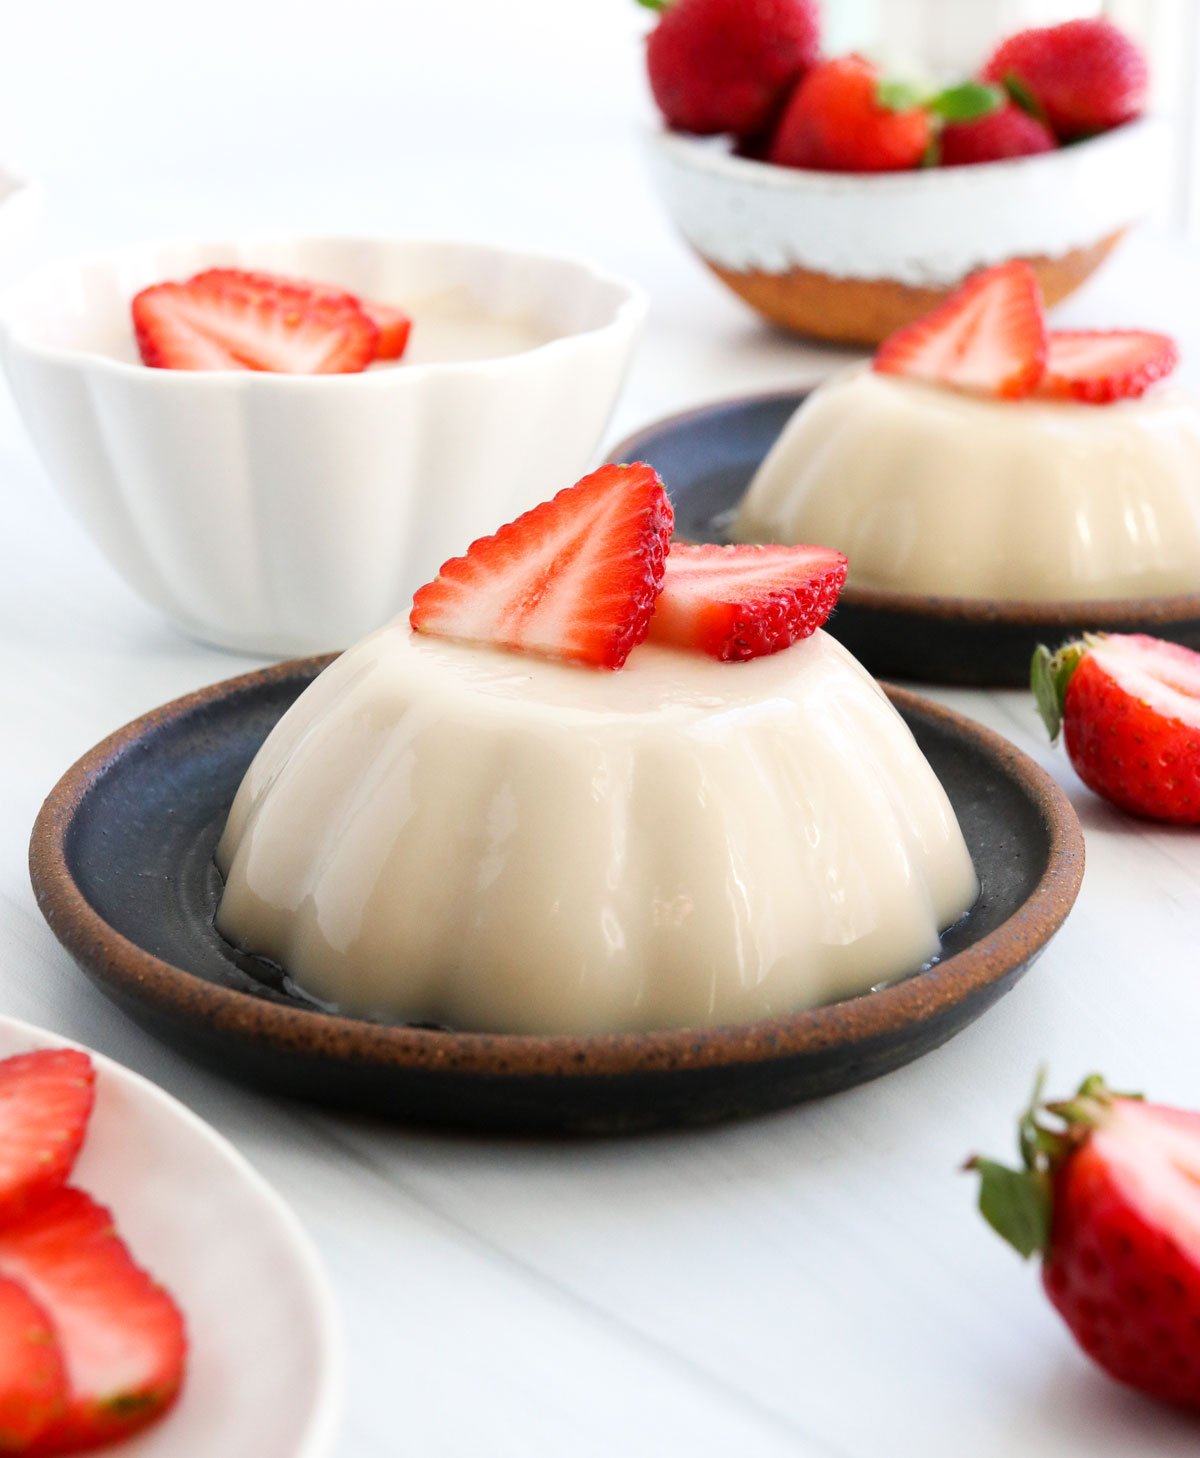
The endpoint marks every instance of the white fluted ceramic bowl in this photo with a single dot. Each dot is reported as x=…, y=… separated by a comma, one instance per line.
x=852, y=256
x=283, y=514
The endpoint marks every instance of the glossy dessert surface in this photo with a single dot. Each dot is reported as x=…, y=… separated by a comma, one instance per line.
x=933, y=491
x=445, y=833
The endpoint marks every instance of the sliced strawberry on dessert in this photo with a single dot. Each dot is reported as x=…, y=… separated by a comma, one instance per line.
x=989, y=337
x=844, y=117
x=576, y=578
x=1101, y=365
x=46, y=1101
x=284, y=329
x=723, y=65
x=122, y=1337
x=393, y=325
x=33, y=1378
x=735, y=603
x=1129, y=708
x=1083, y=76
x=1109, y=1196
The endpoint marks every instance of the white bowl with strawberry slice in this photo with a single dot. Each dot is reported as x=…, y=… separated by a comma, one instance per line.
x=842, y=203
x=281, y=438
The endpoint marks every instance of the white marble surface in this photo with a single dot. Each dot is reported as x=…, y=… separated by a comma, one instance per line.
x=814, y=1283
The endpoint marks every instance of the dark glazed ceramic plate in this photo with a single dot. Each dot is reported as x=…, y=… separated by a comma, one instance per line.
x=121, y=861
x=707, y=458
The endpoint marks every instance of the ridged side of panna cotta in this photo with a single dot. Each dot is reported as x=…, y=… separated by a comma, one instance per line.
x=935, y=491
x=457, y=834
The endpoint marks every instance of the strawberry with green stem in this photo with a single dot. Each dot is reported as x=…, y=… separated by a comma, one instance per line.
x=1108, y=1194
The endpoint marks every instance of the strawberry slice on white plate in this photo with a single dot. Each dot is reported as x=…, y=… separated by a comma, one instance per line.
x=46, y=1101
x=987, y=338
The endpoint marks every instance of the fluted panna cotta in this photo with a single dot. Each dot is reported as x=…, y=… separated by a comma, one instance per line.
x=936, y=491
x=439, y=831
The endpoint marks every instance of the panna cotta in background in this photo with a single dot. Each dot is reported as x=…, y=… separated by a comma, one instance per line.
x=466, y=820
x=929, y=490
x=444, y=832
x=981, y=455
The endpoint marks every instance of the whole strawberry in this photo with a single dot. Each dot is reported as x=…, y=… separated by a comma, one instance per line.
x=726, y=65
x=1109, y=1195
x=1083, y=76
x=1006, y=132
x=1129, y=709
x=843, y=117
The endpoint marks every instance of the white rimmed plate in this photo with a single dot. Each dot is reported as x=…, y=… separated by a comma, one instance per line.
x=264, y=1369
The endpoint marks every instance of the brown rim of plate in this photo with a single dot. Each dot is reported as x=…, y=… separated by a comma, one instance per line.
x=1118, y=613
x=176, y=994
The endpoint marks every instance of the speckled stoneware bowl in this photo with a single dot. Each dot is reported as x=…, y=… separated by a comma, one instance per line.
x=122, y=865
x=852, y=256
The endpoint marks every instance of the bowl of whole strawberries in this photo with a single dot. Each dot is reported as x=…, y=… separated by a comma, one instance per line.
x=842, y=203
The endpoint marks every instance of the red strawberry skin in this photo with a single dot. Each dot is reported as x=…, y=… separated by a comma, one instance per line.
x=46, y=1100
x=33, y=1379
x=1086, y=75
x=122, y=1337
x=725, y=65
x=1123, y=1278
x=741, y=602
x=1130, y=752
x=1008, y=132
x=576, y=578
x=834, y=122
x=394, y=327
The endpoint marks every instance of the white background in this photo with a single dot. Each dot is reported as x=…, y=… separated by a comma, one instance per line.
x=814, y=1283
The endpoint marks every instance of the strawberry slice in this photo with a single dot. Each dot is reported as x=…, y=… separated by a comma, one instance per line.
x=285, y=331
x=122, y=1337
x=743, y=602
x=576, y=578
x=394, y=327
x=1101, y=365
x=33, y=1379
x=989, y=337
x=46, y=1101
x=393, y=324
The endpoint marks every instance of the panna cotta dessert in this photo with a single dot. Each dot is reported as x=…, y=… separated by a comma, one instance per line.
x=980, y=456
x=466, y=821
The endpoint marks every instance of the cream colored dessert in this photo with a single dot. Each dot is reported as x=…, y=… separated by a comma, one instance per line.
x=929, y=490
x=448, y=833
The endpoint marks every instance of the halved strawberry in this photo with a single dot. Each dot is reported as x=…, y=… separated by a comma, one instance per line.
x=33, y=1379
x=989, y=337
x=743, y=602
x=121, y=1335
x=283, y=330
x=1129, y=708
x=393, y=324
x=46, y=1101
x=1101, y=365
x=576, y=578
x=1109, y=1196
